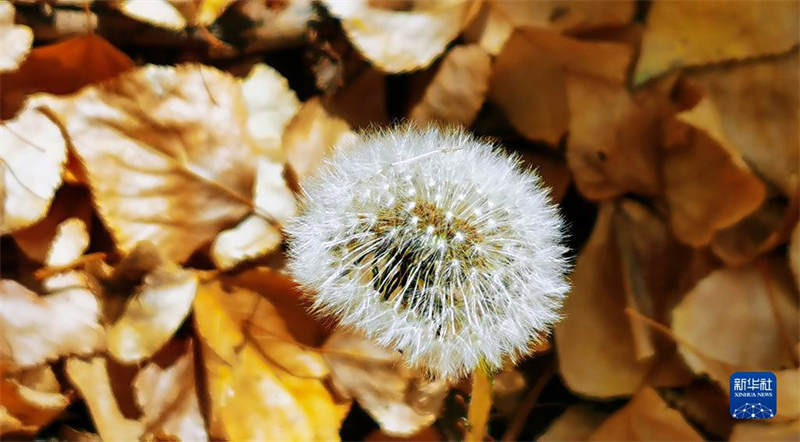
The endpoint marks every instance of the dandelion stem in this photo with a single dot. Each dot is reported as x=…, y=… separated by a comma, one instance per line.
x=480, y=403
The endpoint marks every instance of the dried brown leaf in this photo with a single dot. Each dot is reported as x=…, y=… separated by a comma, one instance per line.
x=759, y=107
x=15, y=40
x=37, y=329
x=175, y=164
x=756, y=297
x=707, y=184
x=778, y=431
x=458, y=89
x=152, y=315
x=29, y=401
x=311, y=135
x=577, y=422
x=32, y=155
x=401, y=41
x=646, y=417
x=401, y=400
x=167, y=395
x=94, y=380
x=682, y=34
x=270, y=106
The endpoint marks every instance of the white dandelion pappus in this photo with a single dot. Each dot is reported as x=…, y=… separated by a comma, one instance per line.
x=433, y=243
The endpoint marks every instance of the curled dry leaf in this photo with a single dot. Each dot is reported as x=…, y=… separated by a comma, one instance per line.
x=15, y=40
x=69, y=243
x=253, y=396
x=759, y=106
x=457, y=90
x=682, y=34
x=311, y=135
x=153, y=314
x=612, y=145
x=756, y=297
x=62, y=68
x=29, y=401
x=95, y=381
x=176, y=138
x=778, y=431
x=166, y=393
x=401, y=400
x=401, y=41
x=533, y=56
x=707, y=184
x=37, y=328
x=577, y=422
x=32, y=155
x=552, y=168
x=270, y=106
x=362, y=102
x=646, y=417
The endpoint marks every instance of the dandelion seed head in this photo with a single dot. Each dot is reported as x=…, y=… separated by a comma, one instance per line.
x=454, y=254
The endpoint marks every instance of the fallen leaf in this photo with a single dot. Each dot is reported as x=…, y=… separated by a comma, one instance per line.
x=37, y=329
x=362, y=102
x=152, y=315
x=30, y=401
x=69, y=202
x=270, y=106
x=457, y=90
x=680, y=34
x=69, y=243
x=94, y=380
x=15, y=40
x=532, y=56
x=794, y=254
x=429, y=434
x=778, y=431
x=601, y=351
x=252, y=394
x=167, y=396
x=706, y=405
x=759, y=107
x=754, y=299
x=210, y=10
x=255, y=236
x=401, y=41
x=157, y=140
x=32, y=155
x=311, y=135
x=62, y=68
x=788, y=394
x=499, y=18
x=577, y=422
x=646, y=417
x=161, y=13
x=613, y=140
x=552, y=169
x=400, y=399
x=707, y=184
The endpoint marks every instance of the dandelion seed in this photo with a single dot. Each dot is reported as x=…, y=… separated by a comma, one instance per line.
x=465, y=263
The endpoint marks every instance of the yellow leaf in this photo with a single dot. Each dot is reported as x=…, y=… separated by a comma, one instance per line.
x=160, y=13
x=37, y=329
x=167, y=152
x=400, y=399
x=458, y=89
x=694, y=33
x=32, y=155
x=254, y=392
x=15, y=40
x=210, y=10
x=94, y=381
x=707, y=184
x=152, y=315
x=646, y=417
x=778, y=431
x=577, y=422
x=401, y=41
